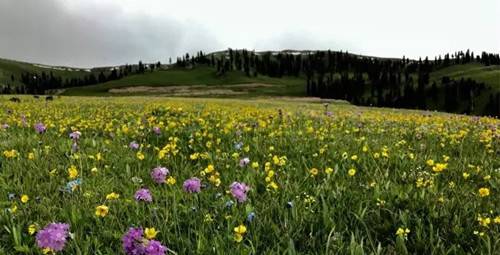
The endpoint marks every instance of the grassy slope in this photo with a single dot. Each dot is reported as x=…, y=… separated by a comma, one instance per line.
x=16, y=68
x=289, y=86
x=490, y=75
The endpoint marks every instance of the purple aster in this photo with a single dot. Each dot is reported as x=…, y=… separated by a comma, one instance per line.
x=239, y=191
x=159, y=174
x=155, y=248
x=157, y=130
x=192, y=185
x=132, y=242
x=40, y=128
x=143, y=195
x=244, y=162
x=53, y=236
x=133, y=145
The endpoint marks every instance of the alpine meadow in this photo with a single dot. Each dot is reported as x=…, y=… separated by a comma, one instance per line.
x=136, y=134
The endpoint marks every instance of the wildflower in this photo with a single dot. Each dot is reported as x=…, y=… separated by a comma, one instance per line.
x=329, y=170
x=72, y=172
x=465, y=175
x=484, y=192
x=53, y=236
x=31, y=156
x=192, y=185
x=239, y=191
x=112, y=196
x=255, y=165
x=239, y=232
x=10, y=154
x=133, y=145
x=94, y=170
x=25, y=199
x=244, y=162
x=430, y=162
x=313, y=172
x=134, y=243
x=157, y=130
x=250, y=217
x=143, y=195
x=484, y=221
x=150, y=233
x=159, y=174
x=351, y=172
x=101, y=211
x=439, y=167
x=140, y=155
x=497, y=220
x=31, y=229
x=40, y=128
x=403, y=232
x=73, y=185
x=171, y=180
x=75, y=135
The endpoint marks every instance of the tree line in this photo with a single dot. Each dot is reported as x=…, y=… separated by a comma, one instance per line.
x=370, y=81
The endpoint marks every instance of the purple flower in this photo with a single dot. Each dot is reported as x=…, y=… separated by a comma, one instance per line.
x=143, y=195
x=244, y=162
x=5, y=126
x=53, y=236
x=40, y=128
x=239, y=191
x=159, y=174
x=157, y=130
x=133, y=145
x=75, y=135
x=132, y=242
x=155, y=248
x=192, y=185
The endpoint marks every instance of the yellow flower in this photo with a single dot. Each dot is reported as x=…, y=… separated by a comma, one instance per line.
x=101, y=211
x=255, y=165
x=487, y=177
x=94, y=170
x=31, y=229
x=403, y=232
x=25, y=199
x=497, y=220
x=10, y=154
x=430, y=162
x=140, y=156
x=72, y=172
x=465, y=175
x=328, y=170
x=439, y=167
x=150, y=233
x=112, y=196
x=31, y=156
x=484, y=221
x=239, y=232
x=484, y=192
x=351, y=172
x=171, y=180
x=313, y=172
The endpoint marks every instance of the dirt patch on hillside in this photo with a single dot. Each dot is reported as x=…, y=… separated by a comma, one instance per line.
x=194, y=90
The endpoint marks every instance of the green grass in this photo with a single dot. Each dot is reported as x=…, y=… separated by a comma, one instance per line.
x=315, y=207
x=490, y=75
x=202, y=75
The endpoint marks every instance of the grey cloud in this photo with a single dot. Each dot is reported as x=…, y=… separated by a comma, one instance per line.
x=47, y=32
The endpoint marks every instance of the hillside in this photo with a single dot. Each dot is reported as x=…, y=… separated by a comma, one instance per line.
x=460, y=83
x=200, y=81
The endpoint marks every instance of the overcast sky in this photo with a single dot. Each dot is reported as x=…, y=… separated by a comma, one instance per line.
x=87, y=33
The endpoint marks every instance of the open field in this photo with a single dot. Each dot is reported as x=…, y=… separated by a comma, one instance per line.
x=310, y=179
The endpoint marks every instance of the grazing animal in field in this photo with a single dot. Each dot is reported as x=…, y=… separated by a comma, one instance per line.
x=15, y=99
x=49, y=98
